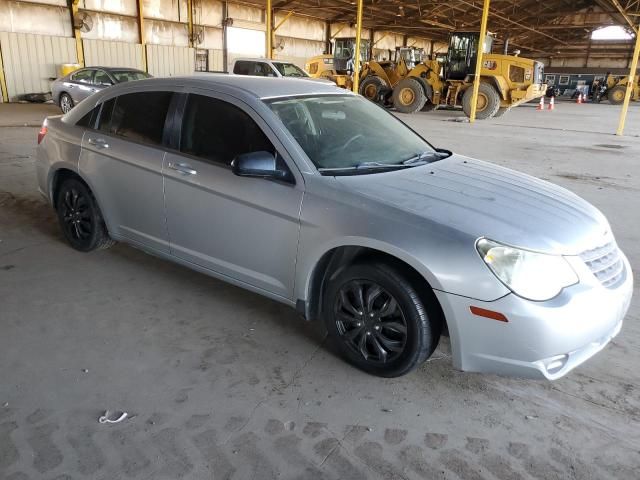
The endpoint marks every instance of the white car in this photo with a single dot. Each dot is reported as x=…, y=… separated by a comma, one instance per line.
x=264, y=67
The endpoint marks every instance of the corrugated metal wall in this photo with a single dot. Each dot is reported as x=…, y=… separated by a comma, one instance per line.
x=31, y=60
x=112, y=54
x=166, y=61
x=216, y=60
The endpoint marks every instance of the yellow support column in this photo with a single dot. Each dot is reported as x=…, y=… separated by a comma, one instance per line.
x=269, y=20
x=145, y=65
x=76, y=33
x=190, y=21
x=3, y=81
x=356, y=63
x=476, y=79
x=630, y=84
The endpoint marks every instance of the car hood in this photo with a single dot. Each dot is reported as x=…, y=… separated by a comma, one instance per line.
x=484, y=200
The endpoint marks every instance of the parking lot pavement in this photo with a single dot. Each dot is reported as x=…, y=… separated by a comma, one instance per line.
x=223, y=383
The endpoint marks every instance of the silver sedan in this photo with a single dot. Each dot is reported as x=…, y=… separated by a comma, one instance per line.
x=316, y=198
x=71, y=89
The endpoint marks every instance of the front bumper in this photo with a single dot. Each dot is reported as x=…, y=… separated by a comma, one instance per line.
x=541, y=339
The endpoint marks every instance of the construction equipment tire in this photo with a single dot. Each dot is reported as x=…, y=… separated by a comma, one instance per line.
x=372, y=87
x=409, y=96
x=616, y=95
x=488, y=101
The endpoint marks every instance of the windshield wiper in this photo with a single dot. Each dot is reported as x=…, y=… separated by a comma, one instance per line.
x=424, y=157
x=364, y=166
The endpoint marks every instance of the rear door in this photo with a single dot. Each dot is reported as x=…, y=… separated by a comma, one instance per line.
x=243, y=228
x=122, y=157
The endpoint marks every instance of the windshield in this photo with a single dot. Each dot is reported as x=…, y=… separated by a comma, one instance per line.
x=289, y=70
x=128, y=75
x=349, y=132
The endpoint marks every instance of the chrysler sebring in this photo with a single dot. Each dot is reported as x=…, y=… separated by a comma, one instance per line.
x=319, y=199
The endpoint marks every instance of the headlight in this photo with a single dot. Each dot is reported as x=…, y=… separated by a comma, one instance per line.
x=535, y=276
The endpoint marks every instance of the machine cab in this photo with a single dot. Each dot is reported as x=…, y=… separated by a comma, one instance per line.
x=412, y=56
x=344, y=53
x=463, y=54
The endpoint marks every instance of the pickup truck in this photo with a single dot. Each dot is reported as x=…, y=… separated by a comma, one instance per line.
x=264, y=67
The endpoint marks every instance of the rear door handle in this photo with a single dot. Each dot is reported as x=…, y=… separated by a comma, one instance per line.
x=98, y=142
x=183, y=168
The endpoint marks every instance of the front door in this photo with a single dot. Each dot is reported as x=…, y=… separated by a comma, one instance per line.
x=123, y=158
x=243, y=228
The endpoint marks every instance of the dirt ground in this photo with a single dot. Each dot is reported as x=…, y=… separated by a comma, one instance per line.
x=223, y=383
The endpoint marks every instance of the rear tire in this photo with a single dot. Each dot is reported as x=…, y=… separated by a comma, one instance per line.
x=372, y=88
x=501, y=111
x=616, y=95
x=80, y=217
x=377, y=321
x=409, y=96
x=66, y=103
x=488, y=101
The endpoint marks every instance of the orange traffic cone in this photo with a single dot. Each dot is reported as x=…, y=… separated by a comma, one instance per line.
x=541, y=104
x=552, y=103
x=579, y=99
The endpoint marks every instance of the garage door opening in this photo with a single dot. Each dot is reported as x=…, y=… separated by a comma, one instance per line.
x=243, y=42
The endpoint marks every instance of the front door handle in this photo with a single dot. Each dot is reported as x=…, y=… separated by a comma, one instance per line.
x=98, y=142
x=183, y=168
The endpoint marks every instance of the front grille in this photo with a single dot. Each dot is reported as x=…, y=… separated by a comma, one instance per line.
x=605, y=263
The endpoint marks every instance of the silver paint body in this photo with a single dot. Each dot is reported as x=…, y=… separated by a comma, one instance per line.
x=268, y=236
x=81, y=90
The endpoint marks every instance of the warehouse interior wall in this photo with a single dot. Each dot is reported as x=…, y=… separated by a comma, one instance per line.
x=114, y=37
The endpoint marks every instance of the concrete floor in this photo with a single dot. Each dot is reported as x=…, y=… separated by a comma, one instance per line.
x=225, y=383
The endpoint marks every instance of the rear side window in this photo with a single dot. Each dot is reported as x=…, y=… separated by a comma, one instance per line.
x=89, y=119
x=242, y=67
x=101, y=78
x=219, y=131
x=136, y=116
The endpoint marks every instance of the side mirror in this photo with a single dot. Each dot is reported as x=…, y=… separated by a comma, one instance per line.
x=258, y=164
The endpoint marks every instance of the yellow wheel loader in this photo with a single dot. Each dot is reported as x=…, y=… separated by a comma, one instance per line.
x=338, y=67
x=506, y=81
x=617, y=88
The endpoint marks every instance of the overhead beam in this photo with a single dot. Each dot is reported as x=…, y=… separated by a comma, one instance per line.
x=521, y=25
x=623, y=12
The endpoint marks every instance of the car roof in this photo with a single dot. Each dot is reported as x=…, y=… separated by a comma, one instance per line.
x=109, y=69
x=257, y=87
x=258, y=59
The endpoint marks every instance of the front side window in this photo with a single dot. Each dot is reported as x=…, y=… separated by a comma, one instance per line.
x=289, y=70
x=136, y=116
x=219, y=131
x=347, y=131
x=83, y=76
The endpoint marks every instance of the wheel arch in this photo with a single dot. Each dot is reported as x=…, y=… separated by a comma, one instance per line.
x=337, y=258
x=499, y=83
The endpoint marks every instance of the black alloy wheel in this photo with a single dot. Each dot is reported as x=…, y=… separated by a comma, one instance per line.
x=370, y=322
x=380, y=320
x=80, y=217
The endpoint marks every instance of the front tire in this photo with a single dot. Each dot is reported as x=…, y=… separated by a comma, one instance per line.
x=66, y=103
x=409, y=96
x=80, y=217
x=377, y=320
x=372, y=88
x=487, y=104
